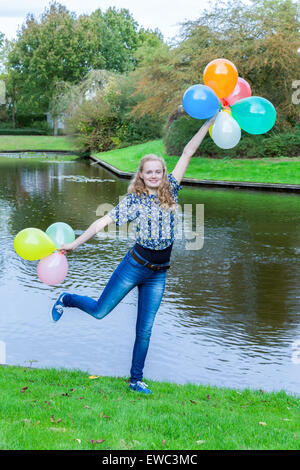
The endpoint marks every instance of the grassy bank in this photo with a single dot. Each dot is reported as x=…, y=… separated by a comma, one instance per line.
x=5, y=160
x=65, y=409
x=265, y=170
x=36, y=142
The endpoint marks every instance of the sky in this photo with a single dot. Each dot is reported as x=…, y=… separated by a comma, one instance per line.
x=162, y=14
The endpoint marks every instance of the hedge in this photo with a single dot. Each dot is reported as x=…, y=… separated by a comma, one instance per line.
x=271, y=144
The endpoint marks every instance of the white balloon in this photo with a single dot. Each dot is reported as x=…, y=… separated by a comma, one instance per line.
x=226, y=132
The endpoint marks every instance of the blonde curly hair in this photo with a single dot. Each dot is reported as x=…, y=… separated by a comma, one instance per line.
x=138, y=186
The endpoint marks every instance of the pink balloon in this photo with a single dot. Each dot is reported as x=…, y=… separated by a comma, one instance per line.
x=53, y=269
x=242, y=90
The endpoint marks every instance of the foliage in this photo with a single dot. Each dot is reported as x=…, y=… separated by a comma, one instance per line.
x=261, y=39
x=272, y=144
x=61, y=48
x=103, y=121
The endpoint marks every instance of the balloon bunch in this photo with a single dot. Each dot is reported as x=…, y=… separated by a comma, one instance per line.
x=34, y=244
x=226, y=92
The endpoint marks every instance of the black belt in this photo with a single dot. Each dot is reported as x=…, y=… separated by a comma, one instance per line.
x=154, y=267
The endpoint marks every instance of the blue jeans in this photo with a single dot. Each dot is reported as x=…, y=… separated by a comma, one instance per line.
x=151, y=285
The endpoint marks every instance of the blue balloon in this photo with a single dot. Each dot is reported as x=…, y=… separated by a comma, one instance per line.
x=200, y=102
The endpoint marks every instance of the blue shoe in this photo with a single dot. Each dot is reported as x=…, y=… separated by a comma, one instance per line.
x=139, y=387
x=58, y=308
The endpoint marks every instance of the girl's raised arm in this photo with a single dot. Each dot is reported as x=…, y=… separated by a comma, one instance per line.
x=190, y=149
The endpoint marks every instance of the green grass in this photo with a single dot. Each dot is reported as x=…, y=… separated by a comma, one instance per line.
x=36, y=142
x=263, y=170
x=283, y=170
x=40, y=158
x=65, y=409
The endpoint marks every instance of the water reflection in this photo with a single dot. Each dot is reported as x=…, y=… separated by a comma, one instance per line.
x=230, y=313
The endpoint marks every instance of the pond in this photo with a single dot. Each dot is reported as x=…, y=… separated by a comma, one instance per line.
x=231, y=309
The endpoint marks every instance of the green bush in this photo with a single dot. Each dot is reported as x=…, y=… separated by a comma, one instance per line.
x=105, y=122
x=272, y=144
x=135, y=131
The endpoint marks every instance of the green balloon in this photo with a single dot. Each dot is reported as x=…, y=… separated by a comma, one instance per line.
x=255, y=115
x=60, y=233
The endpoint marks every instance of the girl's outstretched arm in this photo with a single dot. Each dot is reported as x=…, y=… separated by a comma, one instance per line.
x=94, y=228
x=190, y=149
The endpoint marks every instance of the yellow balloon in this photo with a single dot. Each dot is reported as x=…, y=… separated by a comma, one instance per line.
x=227, y=110
x=33, y=244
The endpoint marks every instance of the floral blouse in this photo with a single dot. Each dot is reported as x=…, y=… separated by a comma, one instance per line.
x=154, y=227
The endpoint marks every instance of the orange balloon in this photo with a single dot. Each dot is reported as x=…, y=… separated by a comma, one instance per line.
x=221, y=75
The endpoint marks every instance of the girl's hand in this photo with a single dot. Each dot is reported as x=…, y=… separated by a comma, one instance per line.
x=68, y=247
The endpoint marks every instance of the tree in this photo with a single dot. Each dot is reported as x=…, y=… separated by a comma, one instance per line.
x=45, y=53
x=63, y=48
x=99, y=113
x=261, y=39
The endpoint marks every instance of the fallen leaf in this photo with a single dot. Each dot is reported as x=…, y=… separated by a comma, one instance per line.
x=52, y=419
x=200, y=442
x=163, y=442
x=261, y=423
x=58, y=420
x=78, y=440
x=208, y=397
x=58, y=429
x=23, y=389
x=194, y=402
x=98, y=441
x=94, y=377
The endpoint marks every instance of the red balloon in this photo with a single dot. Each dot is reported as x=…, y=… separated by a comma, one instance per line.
x=242, y=90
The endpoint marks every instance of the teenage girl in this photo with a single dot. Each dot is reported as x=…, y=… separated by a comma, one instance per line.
x=152, y=202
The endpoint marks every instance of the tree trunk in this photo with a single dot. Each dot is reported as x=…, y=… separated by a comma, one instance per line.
x=55, y=126
x=13, y=116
